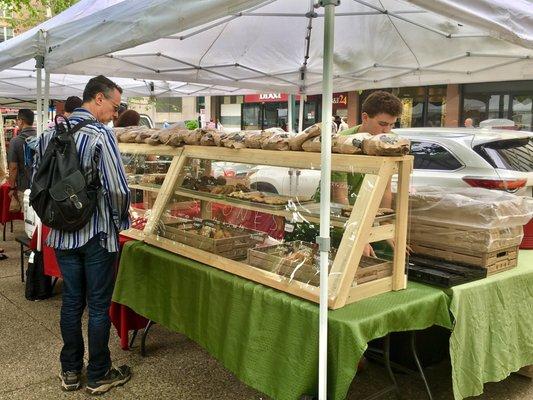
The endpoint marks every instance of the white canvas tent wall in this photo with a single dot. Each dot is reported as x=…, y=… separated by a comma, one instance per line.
x=21, y=83
x=279, y=45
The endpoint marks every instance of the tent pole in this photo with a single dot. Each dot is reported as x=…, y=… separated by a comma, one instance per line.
x=46, y=100
x=325, y=186
x=290, y=102
x=39, y=67
x=301, y=113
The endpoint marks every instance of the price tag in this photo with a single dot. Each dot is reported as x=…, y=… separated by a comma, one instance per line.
x=289, y=227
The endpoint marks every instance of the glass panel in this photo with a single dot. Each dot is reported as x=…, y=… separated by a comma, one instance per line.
x=413, y=100
x=145, y=174
x=432, y=156
x=513, y=154
x=275, y=115
x=250, y=116
x=523, y=111
x=263, y=216
x=475, y=107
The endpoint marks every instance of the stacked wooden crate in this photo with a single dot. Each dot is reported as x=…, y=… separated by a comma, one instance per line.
x=468, y=226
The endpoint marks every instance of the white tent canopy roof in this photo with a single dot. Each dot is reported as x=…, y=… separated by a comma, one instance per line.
x=272, y=45
x=21, y=83
x=30, y=43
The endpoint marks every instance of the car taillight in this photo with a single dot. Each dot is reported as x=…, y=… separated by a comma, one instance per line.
x=499, y=184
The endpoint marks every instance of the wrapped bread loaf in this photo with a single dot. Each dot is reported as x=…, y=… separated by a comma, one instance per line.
x=386, y=144
x=164, y=136
x=153, y=139
x=254, y=139
x=278, y=141
x=142, y=136
x=233, y=140
x=177, y=138
x=208, y=139
x=193, y=137
x=349, y=144
x=296, y=142
x=313, y=145
x=128, y=137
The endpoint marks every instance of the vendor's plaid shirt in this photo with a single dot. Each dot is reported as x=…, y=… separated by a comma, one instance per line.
x=95, y=142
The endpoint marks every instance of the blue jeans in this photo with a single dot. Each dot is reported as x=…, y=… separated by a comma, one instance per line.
x=88, y=278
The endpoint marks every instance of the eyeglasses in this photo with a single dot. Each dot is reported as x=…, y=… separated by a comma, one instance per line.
x=115, y=106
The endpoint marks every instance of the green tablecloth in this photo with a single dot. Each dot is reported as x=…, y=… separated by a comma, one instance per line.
x=493, y=327
x=267, y=338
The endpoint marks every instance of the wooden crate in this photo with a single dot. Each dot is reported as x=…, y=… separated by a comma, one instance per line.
x=234, y=247
x=428, y=234
x=270, y=258
x=494, y=261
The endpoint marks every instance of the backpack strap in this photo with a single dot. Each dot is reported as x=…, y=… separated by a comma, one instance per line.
x=80, y=125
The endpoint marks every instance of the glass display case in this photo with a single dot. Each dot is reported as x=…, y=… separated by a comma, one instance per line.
x=256, y=213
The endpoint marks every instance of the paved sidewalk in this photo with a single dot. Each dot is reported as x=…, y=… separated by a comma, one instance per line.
x=175, y=368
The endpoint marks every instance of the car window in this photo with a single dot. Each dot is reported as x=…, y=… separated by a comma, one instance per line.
x=514, y=154
x=430, y=155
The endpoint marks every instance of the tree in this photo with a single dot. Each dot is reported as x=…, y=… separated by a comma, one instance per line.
x=30, y=13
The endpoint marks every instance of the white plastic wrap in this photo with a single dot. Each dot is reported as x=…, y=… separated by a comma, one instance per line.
x=470, y=208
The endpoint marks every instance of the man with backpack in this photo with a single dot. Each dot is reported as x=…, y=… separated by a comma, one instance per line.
x=86, y=255
x=19, y=170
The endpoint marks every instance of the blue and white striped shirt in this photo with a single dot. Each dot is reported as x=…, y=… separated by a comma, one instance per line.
x=95, y=142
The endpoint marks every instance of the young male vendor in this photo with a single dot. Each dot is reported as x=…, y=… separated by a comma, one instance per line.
x=380, y=111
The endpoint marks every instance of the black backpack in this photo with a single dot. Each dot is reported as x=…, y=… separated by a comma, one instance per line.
x=60, y=195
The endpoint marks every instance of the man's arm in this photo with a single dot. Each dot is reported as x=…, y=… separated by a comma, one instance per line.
x=12, y=159
x=113, y=179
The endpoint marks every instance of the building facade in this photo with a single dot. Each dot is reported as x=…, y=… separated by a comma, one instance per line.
x=423, y=106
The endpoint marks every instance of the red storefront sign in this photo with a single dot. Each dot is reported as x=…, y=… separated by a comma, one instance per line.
x=266, y=97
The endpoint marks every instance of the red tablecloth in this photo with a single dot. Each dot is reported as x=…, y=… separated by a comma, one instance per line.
x=51, y=267
x=5, y=201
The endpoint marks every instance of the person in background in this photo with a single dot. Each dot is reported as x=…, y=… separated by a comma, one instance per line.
x=128, y=118
x=71, y=104
x=469, y=123
x=121, y=109
x=343, y=125
x=87, y=257
x=19, y=167
x=166, y=124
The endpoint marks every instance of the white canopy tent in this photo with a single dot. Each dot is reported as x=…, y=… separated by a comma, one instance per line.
x=287, y=46
x=387, y=43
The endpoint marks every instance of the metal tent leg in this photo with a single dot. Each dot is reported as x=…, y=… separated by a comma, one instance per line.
x=133, y=336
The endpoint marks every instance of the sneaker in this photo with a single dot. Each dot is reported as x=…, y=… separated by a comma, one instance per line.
x=114, y=377
x=70, y=380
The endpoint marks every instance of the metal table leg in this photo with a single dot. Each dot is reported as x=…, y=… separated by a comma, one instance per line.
x=133, y=336
x=143, y=337
x=22, y=262
x=419, y=366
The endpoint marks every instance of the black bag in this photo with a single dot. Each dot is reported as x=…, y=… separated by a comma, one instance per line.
x=38, y=285
x=60, y=195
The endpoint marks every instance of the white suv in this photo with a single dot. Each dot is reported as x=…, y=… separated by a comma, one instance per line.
x=449, y=157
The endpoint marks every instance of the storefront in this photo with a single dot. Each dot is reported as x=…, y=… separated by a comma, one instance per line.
x=510, y=100
x=267, y=110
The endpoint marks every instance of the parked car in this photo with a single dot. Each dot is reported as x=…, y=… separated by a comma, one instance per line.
x=449, y=157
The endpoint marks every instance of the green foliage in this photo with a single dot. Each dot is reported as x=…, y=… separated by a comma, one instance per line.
x=191, y=124
x=29, y=13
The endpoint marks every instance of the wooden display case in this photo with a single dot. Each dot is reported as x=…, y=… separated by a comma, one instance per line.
x=346, y=285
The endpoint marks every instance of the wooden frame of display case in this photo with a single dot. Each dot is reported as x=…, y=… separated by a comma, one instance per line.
x=359, y=229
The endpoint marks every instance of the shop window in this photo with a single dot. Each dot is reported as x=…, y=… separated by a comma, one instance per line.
x=430, y=155
x=250, y=116
x=522, y=114
x=169, y=104
x=200, y=103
